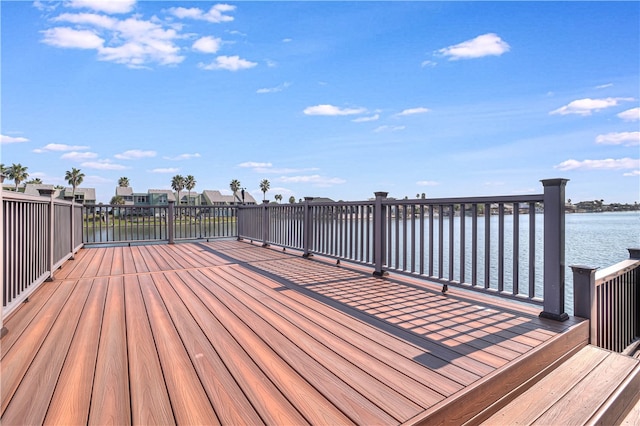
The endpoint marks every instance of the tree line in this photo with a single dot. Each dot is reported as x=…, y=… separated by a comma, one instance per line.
x=74, y=177
x=18, y=174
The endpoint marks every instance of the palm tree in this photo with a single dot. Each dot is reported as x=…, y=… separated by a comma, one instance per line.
x=18, y=173
x=3, y=169
x=35, y=181
x=189, y=183
x=235, y=187
x=278, y=197
x=117, y=199
x=74, y=177
x=264, y=187
x=123, y=182
x=292, y=200
x=177, y=184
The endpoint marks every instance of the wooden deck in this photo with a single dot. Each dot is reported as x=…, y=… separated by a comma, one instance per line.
x=231, y=333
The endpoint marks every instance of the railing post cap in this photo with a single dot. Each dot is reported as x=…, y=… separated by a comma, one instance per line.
x=381, y=194
x=309, y=198
x=581, y=268
x=634, y=253
x=554, y=182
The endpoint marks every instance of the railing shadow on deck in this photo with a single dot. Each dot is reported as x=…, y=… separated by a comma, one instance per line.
x=437, y=354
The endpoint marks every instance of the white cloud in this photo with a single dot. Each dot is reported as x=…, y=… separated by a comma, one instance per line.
x=332, y=110
x=110, y=6
x=279, y=88
x=165, y=170
x=315, y=180
x=69, y=38
x=215, y=15
x=253, y=164
x=604, y=86
x=366, y=119
x=483, y=45
x=135, y=154
x=183, y=157
x=621, y=138
x=103, y=165
x=429, y=64
x=207, y=44
x=287, y=40
x=78, y=156
x=230, y=63
x=92, y=19
x=132, y=41
x=632, y=114
x=427, y=183
x=586, y=106
x=633, y=173
x=386, y=128
x=59, y=147
x=10, y=139
x=607, y=164
x=413, y=111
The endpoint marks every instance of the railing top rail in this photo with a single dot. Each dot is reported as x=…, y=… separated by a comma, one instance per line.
x=471, y=200
x=11, y=195
x=620, y=268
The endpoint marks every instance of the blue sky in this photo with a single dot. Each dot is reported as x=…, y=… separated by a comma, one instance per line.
x=335, y=99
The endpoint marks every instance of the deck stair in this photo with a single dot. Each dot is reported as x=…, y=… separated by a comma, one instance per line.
x=594, y=386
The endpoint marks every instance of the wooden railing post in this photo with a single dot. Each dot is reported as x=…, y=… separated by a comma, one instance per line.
x=3, y=329
x=73, y=229
x=307, y=228
x=171, y=221
x=634, y=253
x=584, y=293
x=51, y=234
x=265, y=223
x=554, y=241
x=239, y=220
x=379, y=234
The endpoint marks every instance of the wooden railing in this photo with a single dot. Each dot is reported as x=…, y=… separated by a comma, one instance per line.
x=126, y=223
x=38, y=235
x=478, y=243
x=610, y=298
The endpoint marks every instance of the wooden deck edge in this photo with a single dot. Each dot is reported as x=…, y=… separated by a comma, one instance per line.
x=479, y=401
x=621, y=402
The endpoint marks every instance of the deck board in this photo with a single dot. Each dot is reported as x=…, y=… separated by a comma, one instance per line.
x=71, y=400
x=228, y=332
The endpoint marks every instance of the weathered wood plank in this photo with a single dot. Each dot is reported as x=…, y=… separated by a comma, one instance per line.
x=16, y=362
x=107, y=262
x=117, y=265
x=80, y=261
x=274, y=310
x=537, y=400
x=385, y=347
x=72, y=397
x=16, y=324
x=138, y=260
x=580, y=403
x=188, y=398
x=228, y=399
x=149, y=399
x=43, y=373
x=110, y=397
x=278, y=333
x=221, y=328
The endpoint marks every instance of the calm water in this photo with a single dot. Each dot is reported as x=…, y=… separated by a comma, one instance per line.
x=601, y=239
